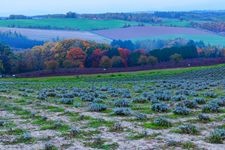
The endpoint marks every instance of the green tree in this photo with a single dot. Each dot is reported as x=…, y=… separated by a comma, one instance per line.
x=1, y=67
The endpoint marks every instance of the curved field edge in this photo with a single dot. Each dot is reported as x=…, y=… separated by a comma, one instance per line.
x=123, y=75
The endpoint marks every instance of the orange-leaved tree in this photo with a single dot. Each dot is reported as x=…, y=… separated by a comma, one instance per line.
x=76, y=56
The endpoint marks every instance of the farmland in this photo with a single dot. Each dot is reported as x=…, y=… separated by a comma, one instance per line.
x=65, y=23
x=141, y=110
x=162, y=32
x=50, y=35
x=105, y=30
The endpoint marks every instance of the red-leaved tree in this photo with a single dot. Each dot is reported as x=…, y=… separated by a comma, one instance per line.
x=76, y=56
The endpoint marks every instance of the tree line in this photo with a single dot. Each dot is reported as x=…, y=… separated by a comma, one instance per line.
x=86, y=54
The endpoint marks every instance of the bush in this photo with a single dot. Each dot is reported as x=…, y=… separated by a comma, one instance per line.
x=67, y=101
x=200, y=100
x=74, y=131
x=190, y=104
x=50, y=146
x=116, y=127
x=122, y=111
x=140, y=99
x=27, y=136
x=97, y=107
x=181, y=111
x=122, y=103
x=2, y=122
x=217, y=136
x=179, y=98
x=188, y=129
x=160, y=107
x=203, y=118
x=210, y=94
x=210, y=107
x=162, y=122
x=140, y=116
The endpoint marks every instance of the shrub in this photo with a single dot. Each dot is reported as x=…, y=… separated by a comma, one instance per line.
x=140, y=116
x=190, y=104
x=2, y=122
x=200, y=100
x=122, y=103
x=210, y=94
x=74, y=131
x=188, y=129
x=97, y=107
x=50, y=146
x=210, y=107
x=122, y=111
x=67, y=101
x=181, y=110
x=160, y=107
x=217, y=136
x=26, y=136
x=88, y=98
x=178, y=98
x=203, y=118
x=140, y=99
x=116, y=127
x=162, y=122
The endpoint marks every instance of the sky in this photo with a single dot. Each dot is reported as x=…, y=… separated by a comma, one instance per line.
x=38, y=7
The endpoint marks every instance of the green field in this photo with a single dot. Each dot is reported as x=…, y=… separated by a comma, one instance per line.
x=115, y=111
x=174, y=23
x=207, y=39
x=64, y=23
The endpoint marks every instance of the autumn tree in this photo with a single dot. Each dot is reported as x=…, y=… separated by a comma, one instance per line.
x=105, y=62
x=51, y=65
x=176, y=58
x=152, y=60
x=143, y=60
x=116, y=61
x=96, y=57
x=76, y=56
x=124, y=53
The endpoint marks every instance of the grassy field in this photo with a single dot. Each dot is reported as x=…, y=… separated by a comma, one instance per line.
x=207, y=39
x=159, y=109
x=62, y=23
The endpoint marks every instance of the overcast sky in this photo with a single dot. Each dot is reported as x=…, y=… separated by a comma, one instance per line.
x=34, y=7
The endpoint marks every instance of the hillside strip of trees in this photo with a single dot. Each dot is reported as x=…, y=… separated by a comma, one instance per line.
x=72, y=54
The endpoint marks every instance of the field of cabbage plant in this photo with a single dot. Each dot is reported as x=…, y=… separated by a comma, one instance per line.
x=160, y=109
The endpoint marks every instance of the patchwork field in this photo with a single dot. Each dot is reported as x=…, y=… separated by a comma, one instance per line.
x=50, y=35
x=63, y=23
x=162, y=32
x=160, y=109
